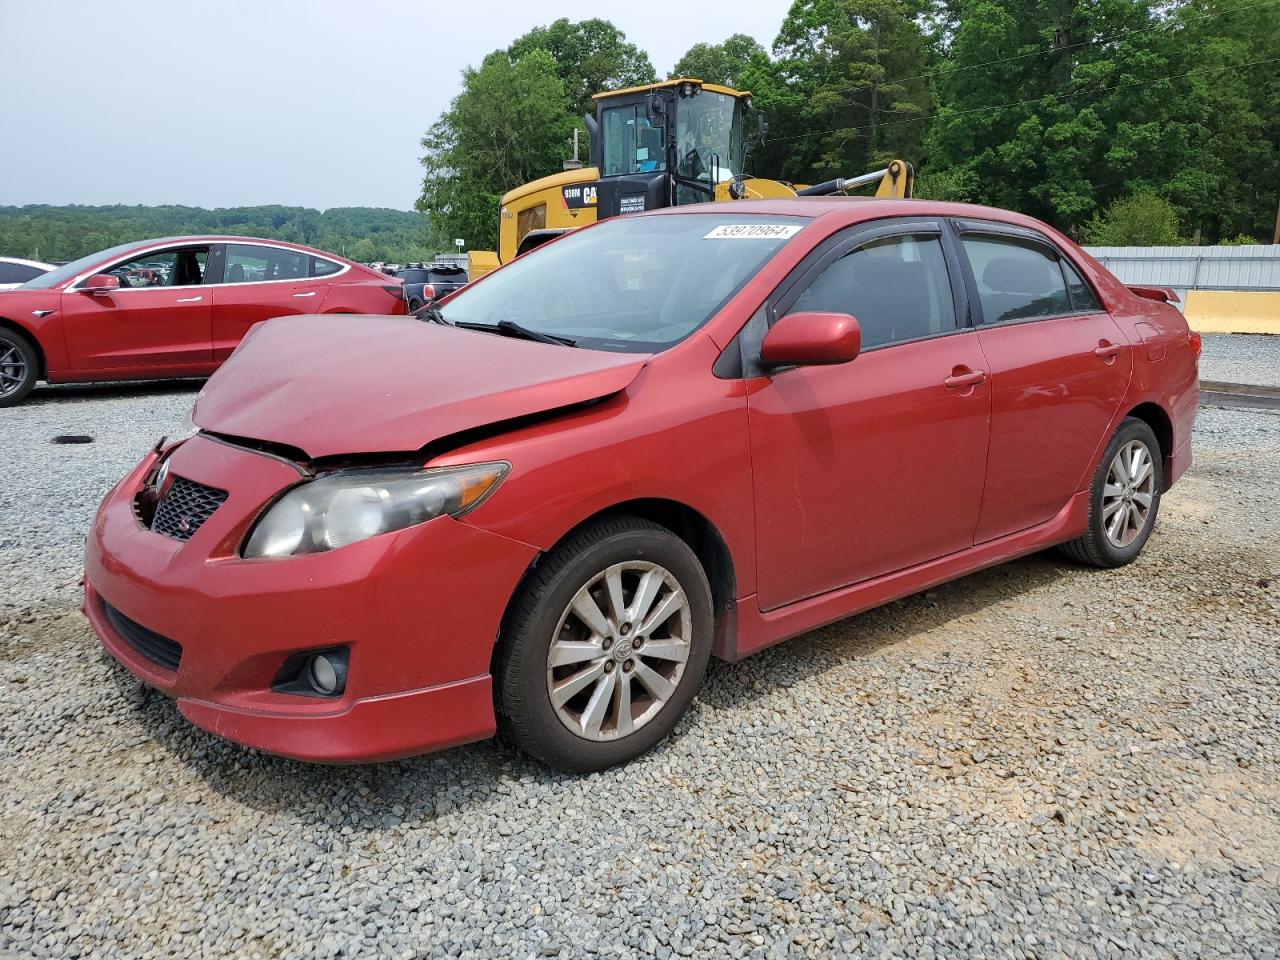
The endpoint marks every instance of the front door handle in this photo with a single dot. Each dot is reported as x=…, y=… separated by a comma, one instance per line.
x=964, y=377
x=190, y=299
x=311, y=294
x=1108, y=351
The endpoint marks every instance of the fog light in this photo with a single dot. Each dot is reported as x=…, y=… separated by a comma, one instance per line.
x=314, y=673
x=323, y=675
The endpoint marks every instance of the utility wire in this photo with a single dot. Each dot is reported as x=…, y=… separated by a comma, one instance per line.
x=950, y=70
x=1021, y=103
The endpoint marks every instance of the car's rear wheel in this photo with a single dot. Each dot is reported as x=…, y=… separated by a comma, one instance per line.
x=606, y=646
x=19, y=367
x=1124, y=499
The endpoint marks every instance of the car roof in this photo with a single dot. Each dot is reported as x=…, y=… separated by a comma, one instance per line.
x=222, y=238
x=850, y=210
x=27, y=263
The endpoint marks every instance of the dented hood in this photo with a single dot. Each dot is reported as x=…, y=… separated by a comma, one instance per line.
x=341, y=384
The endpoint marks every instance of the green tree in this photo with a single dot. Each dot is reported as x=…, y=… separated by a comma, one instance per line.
x=590, y=56
x=1057, y=108
x=512, y=123
x=1142, y=220
x=66, y=233
x=1236, y=189
x=729, y=63
x=850, y=79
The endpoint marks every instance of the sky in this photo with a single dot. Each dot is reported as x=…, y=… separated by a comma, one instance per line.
x=318, y=103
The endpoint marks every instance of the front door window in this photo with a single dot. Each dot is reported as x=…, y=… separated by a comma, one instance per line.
x=182, y=267
x=897, y=289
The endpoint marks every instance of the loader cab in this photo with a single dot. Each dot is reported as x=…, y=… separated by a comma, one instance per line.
x=666, y=144
x=654, y=146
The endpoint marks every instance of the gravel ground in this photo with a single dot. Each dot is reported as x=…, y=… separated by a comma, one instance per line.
x=1035, y=761
x=1241, y=358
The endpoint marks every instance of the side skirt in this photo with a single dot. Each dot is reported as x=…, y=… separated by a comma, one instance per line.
x=757, y=630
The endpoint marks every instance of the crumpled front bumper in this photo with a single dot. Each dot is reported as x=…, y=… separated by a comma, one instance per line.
x=418, y=609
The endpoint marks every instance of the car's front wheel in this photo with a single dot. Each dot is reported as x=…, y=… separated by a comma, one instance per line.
x=19, y=367
x=1123, y=500
x=606, y=646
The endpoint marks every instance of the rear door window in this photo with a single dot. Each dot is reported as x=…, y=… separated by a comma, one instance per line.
x=1017, y=280
x=250, y=263
x=897, y=289
x=18, y=272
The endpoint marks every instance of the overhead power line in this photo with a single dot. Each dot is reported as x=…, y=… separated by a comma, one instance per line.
x=950, y=70
x=1022, y=103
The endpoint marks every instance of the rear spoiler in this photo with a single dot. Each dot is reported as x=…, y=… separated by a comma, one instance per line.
x=1160, y=294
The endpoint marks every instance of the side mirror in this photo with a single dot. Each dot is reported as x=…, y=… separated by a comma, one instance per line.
x=655, y=111
x=812, y=339
x=100, y=283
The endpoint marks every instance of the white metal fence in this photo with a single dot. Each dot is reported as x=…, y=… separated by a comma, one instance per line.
x=1195, y=268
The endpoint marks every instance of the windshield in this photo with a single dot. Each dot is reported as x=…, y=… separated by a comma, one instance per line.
x=709, y=136
x=632, y=284
x=65, y=272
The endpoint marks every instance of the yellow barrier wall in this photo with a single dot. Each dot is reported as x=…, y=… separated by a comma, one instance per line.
x=1233, y=311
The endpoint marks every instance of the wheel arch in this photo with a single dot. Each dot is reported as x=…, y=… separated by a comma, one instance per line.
x=1161, y=424
x=691, y=526
x=35, y=342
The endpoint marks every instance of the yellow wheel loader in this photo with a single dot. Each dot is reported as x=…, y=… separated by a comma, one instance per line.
x=665, y=144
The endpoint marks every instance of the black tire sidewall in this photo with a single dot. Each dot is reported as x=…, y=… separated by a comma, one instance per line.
x=10, y=338
x=539, y=729
x=1131, y=429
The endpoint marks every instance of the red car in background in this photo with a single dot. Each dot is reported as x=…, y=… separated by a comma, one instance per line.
x=174, y=307
x=665, y=437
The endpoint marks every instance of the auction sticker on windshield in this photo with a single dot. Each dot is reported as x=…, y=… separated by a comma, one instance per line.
x=754, y=231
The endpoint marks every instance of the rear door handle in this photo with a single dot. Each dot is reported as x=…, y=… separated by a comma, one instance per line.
x=311, y=294
x=1108, y=351
x=958, y=381
x=189, y=299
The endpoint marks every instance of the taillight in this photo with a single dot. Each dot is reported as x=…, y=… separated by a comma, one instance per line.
x=428, y=292
x=396, y=291
x=1196, y=344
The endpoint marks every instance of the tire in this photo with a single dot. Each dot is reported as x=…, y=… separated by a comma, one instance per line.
x=19, y=367
x=652, y=569
x=1107, y=543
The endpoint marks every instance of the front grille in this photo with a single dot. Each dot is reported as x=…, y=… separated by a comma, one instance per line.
x=185, y=507
x=159, y=650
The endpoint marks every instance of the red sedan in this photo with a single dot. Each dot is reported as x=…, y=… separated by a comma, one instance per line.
x=175, y=307
x=693, y=433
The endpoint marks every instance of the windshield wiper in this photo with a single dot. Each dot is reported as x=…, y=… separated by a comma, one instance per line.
x=510, y=326
x=431, y=313
x=513, y=329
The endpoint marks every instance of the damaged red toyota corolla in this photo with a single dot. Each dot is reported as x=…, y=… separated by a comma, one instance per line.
x=663, y=438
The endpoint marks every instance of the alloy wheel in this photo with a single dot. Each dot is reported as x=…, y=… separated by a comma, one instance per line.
x=1128, y=493
x=13, y=369
x=619, y=650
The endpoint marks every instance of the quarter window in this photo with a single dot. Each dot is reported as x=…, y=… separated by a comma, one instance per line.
x=324, y=268
x=897, y=289
x=247, y=263
x=1082, y=298
x=1016, y=281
